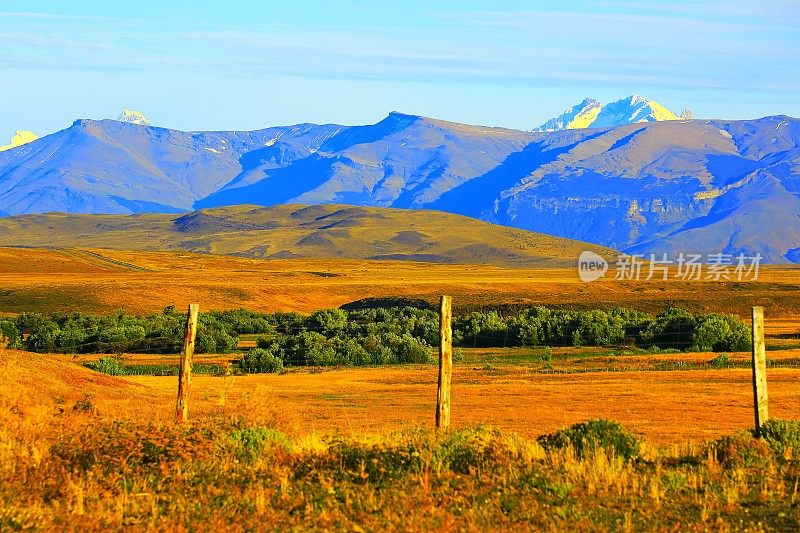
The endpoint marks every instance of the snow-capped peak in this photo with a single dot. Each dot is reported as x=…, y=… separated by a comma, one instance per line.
x=577, y=116
x=635, y=99
x=20, y=137
x=133, y=117
x=593, y=114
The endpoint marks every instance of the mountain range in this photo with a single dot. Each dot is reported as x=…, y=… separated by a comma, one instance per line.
x=703, y=186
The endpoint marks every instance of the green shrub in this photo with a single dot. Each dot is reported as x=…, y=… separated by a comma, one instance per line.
x=782, y=435
x=587, y=438
x=597, y=328
x=108, y=365
x=674, y=328
x=721, y=333
x=721, y=361
x=328, y=321
x=408, y=349
x=741, y=450
x=374, y=336
x=378, y=353
x=266, y=343
x=121, y=333
x=251, y=442
x=349, y=352
x=468, y=450
x=545, y=356
x=362, y=463
x=44, y=339
x=261, y=361
x=312, y=348
x=9, y=334
x=480, y=329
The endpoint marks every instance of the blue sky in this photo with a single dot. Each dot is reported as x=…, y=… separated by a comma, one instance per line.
x=250, y=64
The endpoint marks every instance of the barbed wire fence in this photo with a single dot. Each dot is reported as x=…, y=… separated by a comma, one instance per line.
x=581, y=340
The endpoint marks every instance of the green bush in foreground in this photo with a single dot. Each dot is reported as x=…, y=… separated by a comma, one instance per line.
x=741, y=450
x=782, y=435
x=589, y=437
x=251, y=442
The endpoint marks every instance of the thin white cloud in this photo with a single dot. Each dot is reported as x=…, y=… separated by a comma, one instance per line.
x=517, y=47
x=49, y=16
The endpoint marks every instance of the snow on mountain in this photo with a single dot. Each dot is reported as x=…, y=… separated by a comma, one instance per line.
x=575, y=117
x=20, y=137
x=132, y=116
x=592, y=114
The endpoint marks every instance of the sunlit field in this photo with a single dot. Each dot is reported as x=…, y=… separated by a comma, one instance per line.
x=104, y=281
x=338, y=448
x=356, y=447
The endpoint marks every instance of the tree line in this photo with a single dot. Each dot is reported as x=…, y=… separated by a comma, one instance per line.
x=371, y=336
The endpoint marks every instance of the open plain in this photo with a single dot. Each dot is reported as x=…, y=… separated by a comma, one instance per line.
x=493, y=386
x=104, y=281
x=340, y=448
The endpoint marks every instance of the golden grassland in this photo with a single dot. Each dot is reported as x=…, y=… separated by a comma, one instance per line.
x=503, y=388
x=298, y=231
x=354, y=449
x=340, y=450
x=142, y=282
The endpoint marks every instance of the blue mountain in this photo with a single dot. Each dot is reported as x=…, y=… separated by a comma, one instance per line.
x=703, y=186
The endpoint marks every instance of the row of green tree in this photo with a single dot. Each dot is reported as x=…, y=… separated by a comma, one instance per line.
x=382, y=336
x=373, y=336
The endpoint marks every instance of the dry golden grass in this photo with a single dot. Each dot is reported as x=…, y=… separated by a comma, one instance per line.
x=54, y=411
x=666, y=407
x=337, y=231
x=87, y=452
x=50, y=280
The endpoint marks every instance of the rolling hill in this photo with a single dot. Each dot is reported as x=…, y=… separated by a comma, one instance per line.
x=295, y=231
x=698, y=186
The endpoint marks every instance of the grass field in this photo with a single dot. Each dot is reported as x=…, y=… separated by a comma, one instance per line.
x=298, y=231
x=54, y=280
x=667, y=398
x=354, y=448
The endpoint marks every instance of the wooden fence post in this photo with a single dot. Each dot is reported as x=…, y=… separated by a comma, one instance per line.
x=445, y=363
x=759, y=363
x=185, y=371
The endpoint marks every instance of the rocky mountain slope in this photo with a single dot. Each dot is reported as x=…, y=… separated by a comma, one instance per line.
x=679, y=185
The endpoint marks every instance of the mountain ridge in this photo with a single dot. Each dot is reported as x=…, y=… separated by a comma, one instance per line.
x=591, y=113
x=654, y=187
